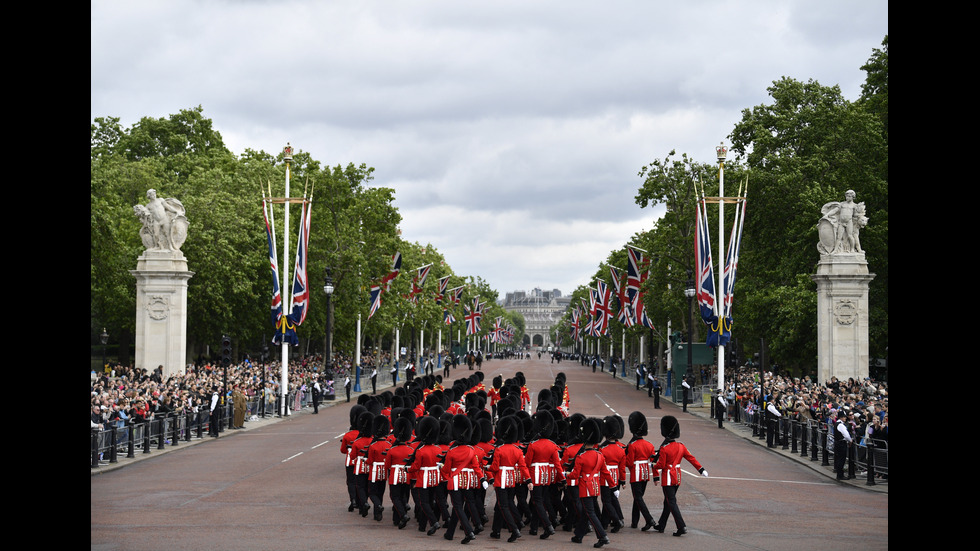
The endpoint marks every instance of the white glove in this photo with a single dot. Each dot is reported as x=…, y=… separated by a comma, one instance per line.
x=485, y=485
x=704, y=473
x=616, y=493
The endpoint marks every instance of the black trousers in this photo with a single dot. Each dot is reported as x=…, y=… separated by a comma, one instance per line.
x=361, y=490
x=639, y=505
x=670, y=507
x=543, y=508
x=460, y=514
x=398, y=493
x=589, y=516
x=351, y=488
x=505, y=510
x=610, y=505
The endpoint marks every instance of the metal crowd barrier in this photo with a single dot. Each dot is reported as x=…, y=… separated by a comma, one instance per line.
x=814, y=439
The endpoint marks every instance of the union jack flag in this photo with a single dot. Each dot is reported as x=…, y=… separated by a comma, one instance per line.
x=603, y=308
x=625, y=306
x=457, y=294
x=300, y=302
x=423, y=273
x=635, y=276
x=396, y=268
x=375, y=299
x=731, y=266
x=705, y=284
x=575, y=324
x=441, y=293
x=473, y=316
x=447, y=317
x=274, y=263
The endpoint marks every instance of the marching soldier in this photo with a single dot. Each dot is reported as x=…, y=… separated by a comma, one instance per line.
x=614, y=453
x=398, y=482
x=668, y=469
x=637, y=459
x=425, y=470
x=376, y=452
x=462, y=471
x=544, y=464
x=358, y=453
x=508, y=469
x=587, y=475
x=345, y=445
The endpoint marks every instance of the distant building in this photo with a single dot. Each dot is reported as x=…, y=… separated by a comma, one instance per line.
x=541, y=311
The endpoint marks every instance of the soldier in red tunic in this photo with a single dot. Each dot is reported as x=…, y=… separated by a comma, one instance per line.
x=378, y=474
x=462, y=472
x=508, y=470
x=345, y=442
x=544, y=464
x=358, y=454
x=587, y=475
x=637, y=459
x=668, y=469
x=425, y=470
x=398, y=487
x=614, y=453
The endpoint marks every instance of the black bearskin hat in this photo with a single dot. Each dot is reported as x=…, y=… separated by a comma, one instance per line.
x=521, y=381
x=486, y=430
x=427, y=429
x=508, y=429
x=380, y=427
x=355, y=413
x=669, y=427
x=612, y=427
x=638, y=424
x=462, y=429
x=365, y=422
x=445, y=431
x=543, y=424
x=591, y=431
x=544, y=395
x=497, y=381
x=403, y=429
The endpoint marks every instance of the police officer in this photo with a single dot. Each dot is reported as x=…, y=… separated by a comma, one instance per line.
x=721, y=408
x=842, y=439
x=316, y=395
x=213, y=421
x=687, y=392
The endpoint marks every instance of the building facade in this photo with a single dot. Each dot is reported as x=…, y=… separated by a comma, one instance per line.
x=541, y=311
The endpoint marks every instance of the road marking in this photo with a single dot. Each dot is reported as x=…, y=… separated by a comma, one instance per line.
x=291, y=457
x=754, y=479
x=606, y=404
x=320, y=444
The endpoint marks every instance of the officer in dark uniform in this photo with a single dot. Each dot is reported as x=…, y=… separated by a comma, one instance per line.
x=687, y=392
x=842, y=438
x=316, y=395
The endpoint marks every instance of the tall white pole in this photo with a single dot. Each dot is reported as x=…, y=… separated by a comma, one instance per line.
x=357, y=356
x=286, y=287
x=721, y=151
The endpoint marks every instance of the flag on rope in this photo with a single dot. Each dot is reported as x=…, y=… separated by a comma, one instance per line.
x=731, y=265
x=274, y=262
x=441, y=292
x=375, y=299
x=396, y=268
x=705, y=284
x=300, y=303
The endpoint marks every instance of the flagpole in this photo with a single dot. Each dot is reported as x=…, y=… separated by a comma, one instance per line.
x=721, y=152
x=284, y=368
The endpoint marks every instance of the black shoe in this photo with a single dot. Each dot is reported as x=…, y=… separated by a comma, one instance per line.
x=448, y=536
x=617, y=526
x=513, y=536
x=533, y=531
x=432, y=530
x=680, y=532
x=365, y=510
x=633, y=525
x=484, y=519
x=576, y=539
x=421, y=528
x=350, y=508
x=469, y=537
x=495, y=535
x=403, y=522
x=601, y=542
x=548, y=531
x=477, y=529
x=649, y=525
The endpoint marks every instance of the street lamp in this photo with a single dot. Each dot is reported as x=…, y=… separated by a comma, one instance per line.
x=327, y=344
x=721, y=151
x=689, y=293
x=104, y=337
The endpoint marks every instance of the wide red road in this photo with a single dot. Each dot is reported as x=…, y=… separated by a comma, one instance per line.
x=281, y=486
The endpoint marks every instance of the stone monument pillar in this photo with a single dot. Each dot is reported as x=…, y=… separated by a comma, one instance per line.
x=842, y=280
x=161, y=287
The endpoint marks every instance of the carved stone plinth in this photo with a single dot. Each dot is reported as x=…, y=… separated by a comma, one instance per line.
x=842, y=316
x=161, y=311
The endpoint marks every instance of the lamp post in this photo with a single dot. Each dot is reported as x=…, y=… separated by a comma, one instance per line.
x=287, y=154
x=104, y=338
x=265, y=357
x=689, y=293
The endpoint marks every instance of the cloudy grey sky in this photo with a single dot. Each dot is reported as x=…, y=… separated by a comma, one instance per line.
x=512, y=131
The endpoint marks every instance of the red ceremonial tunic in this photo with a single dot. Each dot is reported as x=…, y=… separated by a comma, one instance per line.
x=589, y=473
x=637, y=459
x=508, y=467
x=461, y=468
x=615, y=456
x=425, y=469
x=544, y=462
x=345, y=443
x=358, y=455
x=376, y=460
x=669, y=463
x=395, y=463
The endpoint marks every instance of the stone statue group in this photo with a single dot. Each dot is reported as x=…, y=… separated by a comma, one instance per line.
x=164, y=223
x=839, y=229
